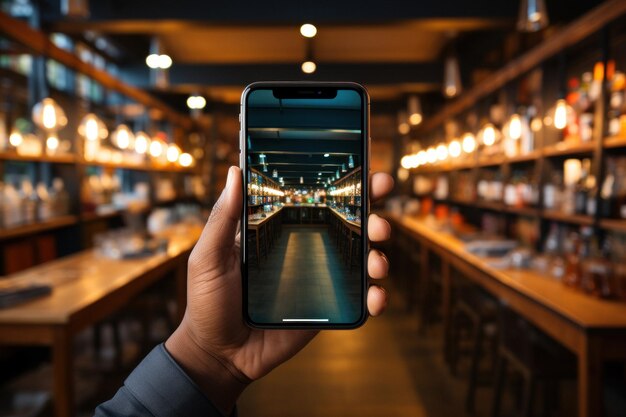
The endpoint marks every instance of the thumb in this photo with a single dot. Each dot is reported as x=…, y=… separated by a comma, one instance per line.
x=220, y=231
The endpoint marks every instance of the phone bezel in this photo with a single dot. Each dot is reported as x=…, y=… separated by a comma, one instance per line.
x=243, y=160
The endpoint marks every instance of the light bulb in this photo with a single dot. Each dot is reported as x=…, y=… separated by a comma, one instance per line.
x=442, y=152
x=403, y=124
x=196, y=102
x=561, y=113
x=185, y=159
x=451, y=77
x=469, y=143
x=16, y=138
x=172, y=153
x=123, y=137
x=274, y=174
x=308, y=67
x=415, y=110
x=52, y=143
x=431, y=155
x=308, y=30
x=350, y=162
x=152, y=61
x=156, y=148
x=489, y=134
x=92, y=128
x=515, y=127
x=421, y=158
x=301, y=180
x=536, y=124
x=533, y=15
x=406, y=162
x=165, y=61
x=142, y=143
x=48, y=115
x=454, y=148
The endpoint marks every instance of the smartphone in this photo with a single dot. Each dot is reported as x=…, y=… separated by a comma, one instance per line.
x=305, y=163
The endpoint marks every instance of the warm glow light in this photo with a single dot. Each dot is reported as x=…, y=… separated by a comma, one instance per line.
x=431, y=155
x=536, y=124
x=16, y=138
x=52, y=143
x=560, y=114
x=415, y=110
x=308, y=30
x=156, y=148
x=196, y=102
x=469, y=143
x=489, y=134
x=454, y=148
x=92, y=128
x=421, y=158
x=123, y=137
x=155, y=61
x=515, y=127
x=308, y=67
x=442, y=152
x=404, y=128
x=142, y=143
x=185, y=159
x=172, y=153
x=406, y=162
x=165, y=61
x=48, y=115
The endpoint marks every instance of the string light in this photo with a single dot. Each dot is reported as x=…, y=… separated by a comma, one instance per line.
x=48, y=115
x=172, y=153
x=185, y=159
x=16, y=138
x=515, y=127
x=454, y=148
x=489, y=134
x=468, y=143
x=442, y=152
x=123, y=137
x=308, y=30
x=142, y=143
x=92, y=128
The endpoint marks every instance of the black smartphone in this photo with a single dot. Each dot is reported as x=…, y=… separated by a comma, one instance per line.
x=305, y=161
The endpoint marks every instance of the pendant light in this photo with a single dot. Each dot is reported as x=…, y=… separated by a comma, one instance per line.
x=337, y=174
x=454, y=149
x=15, y=137
x=514, y=126
x=274, y=174
x=415, y=110
x=185, y=159
x=264, y=167
x=343, y=168
x=123, y=137
x=52, y=143
x=451, y=77
x=308, y=65
x=468, y=143
x=172, y=153
x=442, y=152
x=488, y=134
x=533, y=16
x=561, y=113
x=156, y=148
x=142, y=142
x=48, y=115
x=92, y=128
x=350, y=162
x=403, y=125
x=301, y=180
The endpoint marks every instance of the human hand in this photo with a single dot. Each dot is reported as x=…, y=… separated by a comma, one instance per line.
x=213, y=344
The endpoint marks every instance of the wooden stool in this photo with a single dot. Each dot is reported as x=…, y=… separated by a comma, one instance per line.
x=535, y=355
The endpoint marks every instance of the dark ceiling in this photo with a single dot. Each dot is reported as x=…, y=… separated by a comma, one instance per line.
x=393, y=47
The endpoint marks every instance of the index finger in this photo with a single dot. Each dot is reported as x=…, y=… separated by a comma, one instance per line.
x=381, y=184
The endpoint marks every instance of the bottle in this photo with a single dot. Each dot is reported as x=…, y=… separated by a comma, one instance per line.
x=596, y=272
x=29, y=202
x=619, y=202
x=61, y=198
x=573, y=249
x=580, y=189
x=12, y=212
x=607, y=192
x=44, y=203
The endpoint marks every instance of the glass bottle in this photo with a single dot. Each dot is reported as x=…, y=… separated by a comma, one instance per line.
x=573, y=249
x=61, y=198
x=607, y=192
x=28, y=202
x=596, y=272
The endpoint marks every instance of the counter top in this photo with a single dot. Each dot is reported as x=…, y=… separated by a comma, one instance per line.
x=81, y=279
x=254, y=223
x=582, y=309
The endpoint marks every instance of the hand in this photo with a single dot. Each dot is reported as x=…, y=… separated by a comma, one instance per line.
x=213, y=344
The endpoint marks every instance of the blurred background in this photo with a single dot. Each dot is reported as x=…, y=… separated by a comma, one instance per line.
x=503, y=123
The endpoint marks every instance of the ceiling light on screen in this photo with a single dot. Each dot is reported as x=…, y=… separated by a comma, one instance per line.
x=350, y=162
x=326, y=155
x=308, y=30
x=155, y=61
x=308, y=67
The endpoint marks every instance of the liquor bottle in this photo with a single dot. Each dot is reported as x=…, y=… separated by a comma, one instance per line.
x=61, y=198
x=573, y=249
x=581, y=190
x=551, y=192
x=617, y=105
x=28, y=202
x=596, y=272
x=44, y=203
x=619, y=203
x=607, y=192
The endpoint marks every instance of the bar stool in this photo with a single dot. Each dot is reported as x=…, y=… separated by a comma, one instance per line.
x=535, y=356
x=477, y=310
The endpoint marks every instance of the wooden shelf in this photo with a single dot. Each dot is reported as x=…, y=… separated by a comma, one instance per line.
x=558, y=216
x=523, y=211
x=30, y=229
x=615, y=225
x=137, y=167
x=58, y=159
x=491, y=162
x=615, y=142
x=566, y=149
x=490, y=205
x=528, y=157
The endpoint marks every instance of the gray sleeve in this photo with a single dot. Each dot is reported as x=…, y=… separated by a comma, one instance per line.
x=158, y=387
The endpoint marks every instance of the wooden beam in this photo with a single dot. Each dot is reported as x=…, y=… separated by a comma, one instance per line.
x=40, y=43
x=567, y=37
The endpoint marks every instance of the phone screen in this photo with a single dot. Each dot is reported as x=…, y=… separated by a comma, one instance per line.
x=304, y=240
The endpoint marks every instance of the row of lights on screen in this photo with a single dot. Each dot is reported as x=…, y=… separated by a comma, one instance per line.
x=50, y=117
x=488, y=135
x=320, y=180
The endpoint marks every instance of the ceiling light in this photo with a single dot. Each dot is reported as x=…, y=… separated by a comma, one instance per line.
x=489, y=135
x=326, y=155
x=403, y=125
x=319, y=173
x=92, y=128
x=350, y=162
x=196, y=102
x=308, y=67
x=451, y=77
x=142, y=142
x=533, y=16
x=343, y=168
x=431, y=155
x=155, y=148
x=274, y=174
x=155, y=61
x=48, y=115
x=301, y=180
x=415, y=110
x=308, y=30
x=185, y=159
x=442, y=152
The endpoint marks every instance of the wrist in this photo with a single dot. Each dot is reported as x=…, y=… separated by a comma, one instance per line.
x=218, y=379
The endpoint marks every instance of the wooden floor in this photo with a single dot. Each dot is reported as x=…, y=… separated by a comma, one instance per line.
x=304, y=277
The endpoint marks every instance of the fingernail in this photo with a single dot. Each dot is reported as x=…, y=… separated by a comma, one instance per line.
x=229, y=178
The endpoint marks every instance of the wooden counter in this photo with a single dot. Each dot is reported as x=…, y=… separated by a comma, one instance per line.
x=352, y=225
x=257, y=223
x=86, y=289
x=594, y=329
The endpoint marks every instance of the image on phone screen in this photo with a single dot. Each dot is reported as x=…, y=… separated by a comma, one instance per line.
x=304, y=178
